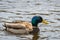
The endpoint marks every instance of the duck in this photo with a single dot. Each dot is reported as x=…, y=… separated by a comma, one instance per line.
x=24, y=27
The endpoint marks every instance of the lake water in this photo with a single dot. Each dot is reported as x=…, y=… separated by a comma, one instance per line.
x=11, y=10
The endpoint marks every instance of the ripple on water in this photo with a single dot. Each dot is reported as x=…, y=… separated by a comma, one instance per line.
x=11, y=10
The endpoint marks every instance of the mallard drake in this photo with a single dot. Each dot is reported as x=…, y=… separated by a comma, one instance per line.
x=22, y=27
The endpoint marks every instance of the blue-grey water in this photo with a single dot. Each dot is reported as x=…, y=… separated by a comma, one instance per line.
x=11, y=10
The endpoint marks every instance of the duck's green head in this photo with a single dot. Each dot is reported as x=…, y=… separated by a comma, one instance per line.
x=38, y=19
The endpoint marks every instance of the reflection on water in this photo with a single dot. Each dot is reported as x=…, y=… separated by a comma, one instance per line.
x=35, y=34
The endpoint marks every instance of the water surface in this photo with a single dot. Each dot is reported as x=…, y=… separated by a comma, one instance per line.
x=11, y=10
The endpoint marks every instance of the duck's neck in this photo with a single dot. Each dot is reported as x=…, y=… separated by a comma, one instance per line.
x=34, y=24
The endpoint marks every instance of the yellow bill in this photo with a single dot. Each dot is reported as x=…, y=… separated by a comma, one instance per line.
x=45, y=22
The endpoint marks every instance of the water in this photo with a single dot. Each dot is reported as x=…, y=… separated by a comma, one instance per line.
x=11, y=10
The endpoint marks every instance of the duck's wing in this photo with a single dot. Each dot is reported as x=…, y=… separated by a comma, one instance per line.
x=14, y=25
x=18, y=21
x=28, y=25
x=19, y=25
